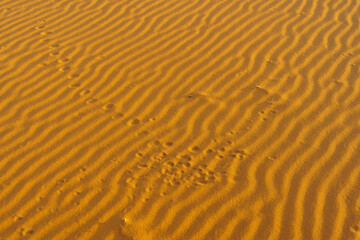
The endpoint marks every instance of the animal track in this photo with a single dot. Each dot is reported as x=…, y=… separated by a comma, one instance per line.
x=195, y=149
x=134, y=122
x=108, y=107
x=74, y=75
x=91, y=101
x=143, y=133
x=117, y=115
x=64, y=60
x=26, y=232
x=168, y=144
x=46, y=33
x=176, y=170
x=39, y=27
x=84, y=92
x=74, y=85
x=54, y=53
x=55, y=45
x=193, y=167
x=6, y=9
x=44, y=64
x=209, y=151
x=64, y=69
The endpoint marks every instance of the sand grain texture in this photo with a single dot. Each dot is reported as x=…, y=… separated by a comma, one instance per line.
x=179, y=119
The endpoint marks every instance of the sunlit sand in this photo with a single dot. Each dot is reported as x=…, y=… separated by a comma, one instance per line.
x=179, y=120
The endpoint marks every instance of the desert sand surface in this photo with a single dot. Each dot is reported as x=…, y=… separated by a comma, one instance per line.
x=179, y=120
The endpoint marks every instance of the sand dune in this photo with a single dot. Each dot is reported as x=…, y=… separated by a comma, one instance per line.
x=179, y=119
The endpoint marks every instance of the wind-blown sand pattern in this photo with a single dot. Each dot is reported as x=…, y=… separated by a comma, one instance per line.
x=179, y=119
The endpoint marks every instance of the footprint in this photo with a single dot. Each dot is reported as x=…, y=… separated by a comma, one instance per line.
x=356, y=228
x=139, y=154
x=64, y=69
x=168, y=144
x=46, y=33
x=209, y=151
x=221, y=149
x=195, y=149
x=74, y=75
x=64, y=60
x=54, y=53
x=108, y=107
x=117, y=115
x=84, y=92
x=260, y=91
x=239, y=152
x=91, y=101
x=144, y=165
x=134, y=122
x=6, y=9
x=219, y=156
x=143, y=133
x=26, y=232
x=160, y=156
x=131, y=181
x=43, y=64
x=187, y=164
x=18, y=218
x=55, y=45
x=191, y=96
x=171, y=164
x=153, y=143
x=39, y=27
x=74, y=85
x=270, y=61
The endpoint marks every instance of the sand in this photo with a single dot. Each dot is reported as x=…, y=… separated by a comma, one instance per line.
x=188, y=119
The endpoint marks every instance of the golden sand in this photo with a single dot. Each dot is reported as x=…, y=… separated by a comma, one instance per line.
x=187, y=119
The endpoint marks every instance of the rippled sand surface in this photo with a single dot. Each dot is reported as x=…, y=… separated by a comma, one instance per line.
x=179, y=120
